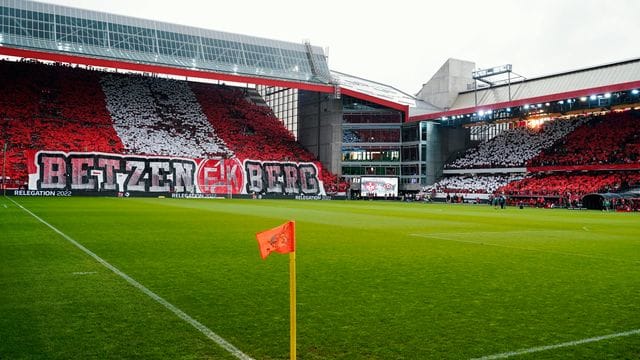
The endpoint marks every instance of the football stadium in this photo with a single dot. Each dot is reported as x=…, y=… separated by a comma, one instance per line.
x=150, y=170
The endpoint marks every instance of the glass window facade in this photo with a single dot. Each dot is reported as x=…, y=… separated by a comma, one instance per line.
x=371, y=153
x=359, y=135
x=371, y=139
x=413, y=154
x=376, y=141
x=49, y=27
x=284, y=103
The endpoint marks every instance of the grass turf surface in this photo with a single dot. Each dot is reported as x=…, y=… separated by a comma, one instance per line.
x=376, y=280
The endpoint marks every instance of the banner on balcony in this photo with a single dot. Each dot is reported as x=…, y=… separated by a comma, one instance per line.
x=94, y=172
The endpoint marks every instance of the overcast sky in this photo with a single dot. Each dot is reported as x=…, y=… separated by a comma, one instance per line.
x=403, y=43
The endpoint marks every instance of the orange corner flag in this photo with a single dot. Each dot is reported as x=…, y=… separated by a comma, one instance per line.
x=281, y=239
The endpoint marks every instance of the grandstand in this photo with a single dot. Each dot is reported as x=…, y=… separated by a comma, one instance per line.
x=97, y=107
x=260, y=115
x=562, y=146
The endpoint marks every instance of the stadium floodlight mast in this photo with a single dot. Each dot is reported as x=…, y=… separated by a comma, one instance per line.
x=485, y=74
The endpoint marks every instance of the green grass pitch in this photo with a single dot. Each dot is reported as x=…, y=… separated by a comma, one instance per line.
x=376, y=280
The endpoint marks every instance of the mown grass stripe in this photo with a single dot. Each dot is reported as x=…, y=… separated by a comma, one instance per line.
x=181, y=314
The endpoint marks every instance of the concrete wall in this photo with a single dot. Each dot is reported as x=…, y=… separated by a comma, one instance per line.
x=442, y=142
x=320, y=128
x=434, y=161
x=455, y=141
x=443, y=88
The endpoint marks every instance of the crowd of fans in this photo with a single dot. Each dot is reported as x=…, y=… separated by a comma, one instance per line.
x=253, y=131
x=514, y=147
x=68, y=109
x=574, y=184
x=51, y=108
x=65, y=108
x=160, y=117
x=610, y=139
x=599, y=140
x=480, y=184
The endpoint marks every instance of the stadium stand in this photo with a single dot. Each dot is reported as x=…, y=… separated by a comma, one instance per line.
x=514, y=147
x=561, y=184
x=554, y=153
x=160, y=117
x=566, y=189
x=609, y=139
x=62, y=108
x=252, y=130
x=481, y=184
x=51, y=108
x=69, y=109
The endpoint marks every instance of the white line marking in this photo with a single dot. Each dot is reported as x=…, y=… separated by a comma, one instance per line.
x=523, y=248
x=84, y=272
x=585, y=228
x=556, y=346
x=181, y=314
x=5, y=206
x=495, y=232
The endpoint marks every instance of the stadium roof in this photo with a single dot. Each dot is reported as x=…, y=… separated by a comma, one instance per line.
x=32, y=29
x=49, y=32
x=618, y=76
x=356, y=86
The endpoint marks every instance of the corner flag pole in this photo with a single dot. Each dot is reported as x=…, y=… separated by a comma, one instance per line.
x=292, y=304
x=282, y=239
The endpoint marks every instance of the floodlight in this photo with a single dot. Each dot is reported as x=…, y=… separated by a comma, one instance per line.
x=562, y=102
x=584, y=98
x=526, y=106
x=592, y=97
x=607, y=95
x=635, y=91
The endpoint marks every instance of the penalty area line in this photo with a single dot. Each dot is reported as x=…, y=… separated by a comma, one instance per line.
x=181, y=314
x=557, y=346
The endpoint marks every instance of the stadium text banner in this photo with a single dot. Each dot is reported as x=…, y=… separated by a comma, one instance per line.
x=94, y=172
